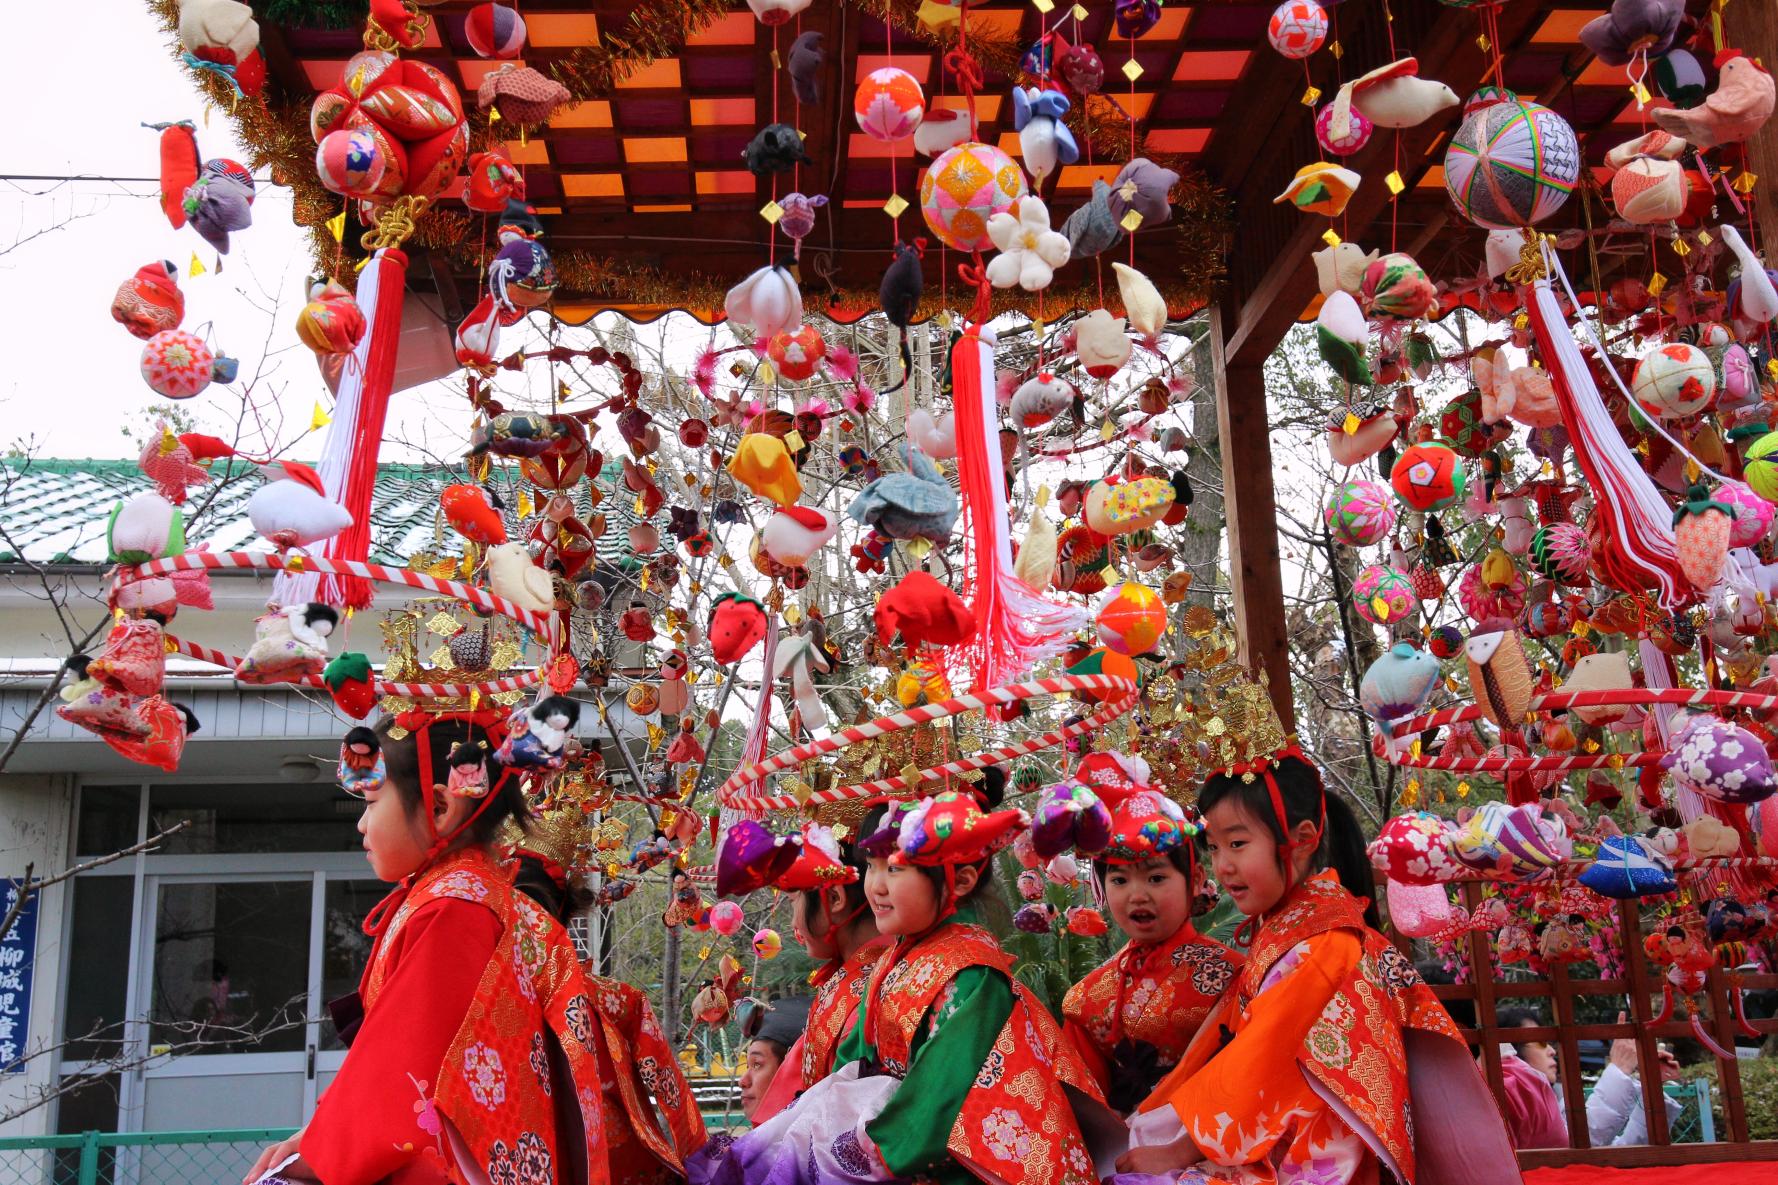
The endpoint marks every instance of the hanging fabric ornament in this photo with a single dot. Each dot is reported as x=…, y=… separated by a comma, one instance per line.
x=495, y=31
x=1673, y=381
x=1702, y=528
x=332, y=322
x=1358, y=131
x=1298, y=28
x=1383, y=596
x=1512, y=162
x=1428, y=476
x=1359, y=513
x=963, y=188
x=888, y=104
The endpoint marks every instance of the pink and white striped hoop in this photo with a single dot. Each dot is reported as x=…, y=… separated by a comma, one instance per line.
x=744, y=790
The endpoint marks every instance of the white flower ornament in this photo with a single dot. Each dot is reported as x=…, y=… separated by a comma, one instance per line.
x=1030, y=252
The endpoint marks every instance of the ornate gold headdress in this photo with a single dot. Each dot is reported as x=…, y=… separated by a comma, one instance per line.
x=1216, y=717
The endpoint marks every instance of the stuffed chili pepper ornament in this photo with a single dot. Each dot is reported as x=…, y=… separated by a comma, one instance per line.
x=348, y=679
x=1701, y=530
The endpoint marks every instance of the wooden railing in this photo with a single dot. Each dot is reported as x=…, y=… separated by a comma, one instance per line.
x=1638, y=994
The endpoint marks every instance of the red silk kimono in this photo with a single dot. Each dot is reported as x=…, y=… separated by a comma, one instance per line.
x=837, y=997
x=839, y=987
x=1016, y=1123
x=1155, y=996
x=475, y=1061
x=635, y=1064
x=1326, y=1022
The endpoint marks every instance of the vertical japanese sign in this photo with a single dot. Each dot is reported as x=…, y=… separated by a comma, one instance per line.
x=18, y=951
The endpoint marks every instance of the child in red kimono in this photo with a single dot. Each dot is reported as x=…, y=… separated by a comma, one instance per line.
x=831, y=919
x=474, y=1058
x=954, y=1073
x=652, y=1122
x=1132, y=1017
x=1309, y=1067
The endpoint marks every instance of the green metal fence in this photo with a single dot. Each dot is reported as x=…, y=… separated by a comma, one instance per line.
x=134, y=1158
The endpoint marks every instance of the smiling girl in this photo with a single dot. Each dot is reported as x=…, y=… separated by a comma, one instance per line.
x=1133, y=1016
x=470, y=1056
x=1302, y=1072
x=954, y=1073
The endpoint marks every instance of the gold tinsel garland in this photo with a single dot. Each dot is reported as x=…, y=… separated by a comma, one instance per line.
x=656, y=29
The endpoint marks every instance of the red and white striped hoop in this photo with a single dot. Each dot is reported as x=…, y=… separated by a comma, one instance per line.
x=481, y=598
x=1555, y=701
x=736, y=795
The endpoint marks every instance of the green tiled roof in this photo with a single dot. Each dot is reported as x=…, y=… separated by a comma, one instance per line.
x=56, y=510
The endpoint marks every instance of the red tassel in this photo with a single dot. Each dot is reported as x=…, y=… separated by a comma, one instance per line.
x=353, y=543
x=1015, y=626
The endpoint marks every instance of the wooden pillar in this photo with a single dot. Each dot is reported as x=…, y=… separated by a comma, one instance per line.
x=1752, y=26
x=1244, y=432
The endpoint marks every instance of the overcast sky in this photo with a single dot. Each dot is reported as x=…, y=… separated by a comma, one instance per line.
x=71, y=382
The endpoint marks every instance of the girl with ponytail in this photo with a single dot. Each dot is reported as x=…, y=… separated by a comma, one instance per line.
x=1303, y=1069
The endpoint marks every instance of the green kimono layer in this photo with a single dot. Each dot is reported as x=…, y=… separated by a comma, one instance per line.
x=949, y=1050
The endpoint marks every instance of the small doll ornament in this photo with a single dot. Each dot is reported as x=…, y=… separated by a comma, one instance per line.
x=540, y=735
x=361, y=768
x=289, y=644
x=469, y=770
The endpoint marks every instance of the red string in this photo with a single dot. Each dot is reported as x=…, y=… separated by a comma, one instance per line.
x=1132, y=114
x=772, y=251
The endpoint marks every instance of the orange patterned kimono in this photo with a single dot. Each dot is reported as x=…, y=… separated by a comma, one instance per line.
x=1016, y=1124
x=635, y=1065
x=475, y=1062
x=1139, y=1010
x=837, y=996
x=1301, y=1074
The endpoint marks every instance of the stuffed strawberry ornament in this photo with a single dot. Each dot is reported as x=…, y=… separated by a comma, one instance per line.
x=349, y=682
x=1701, y=530
x=737, y=623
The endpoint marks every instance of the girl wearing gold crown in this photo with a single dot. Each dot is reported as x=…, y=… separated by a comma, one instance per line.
x=954, y=1072
x=473, y=1023
x=1302, y=1072
x=1133, y=1016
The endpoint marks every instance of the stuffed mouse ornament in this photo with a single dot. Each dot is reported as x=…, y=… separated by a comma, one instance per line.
x=776, y=148
x=899, y=297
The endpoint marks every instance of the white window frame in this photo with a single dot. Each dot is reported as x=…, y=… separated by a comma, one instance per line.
x=147, y=873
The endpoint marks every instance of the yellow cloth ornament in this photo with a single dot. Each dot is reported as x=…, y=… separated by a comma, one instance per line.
x=1498, y=569
x=1144, y=307
x=763, y=465
x=1117, y=508
x=1036, y=561
x=1320, y=188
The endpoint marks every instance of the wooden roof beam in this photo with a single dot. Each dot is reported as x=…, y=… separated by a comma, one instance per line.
x=1450, y=53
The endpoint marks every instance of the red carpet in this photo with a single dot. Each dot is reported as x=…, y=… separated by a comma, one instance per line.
x=1757, y=1172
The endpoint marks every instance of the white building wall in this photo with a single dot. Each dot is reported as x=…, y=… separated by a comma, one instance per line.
x=36, y=819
